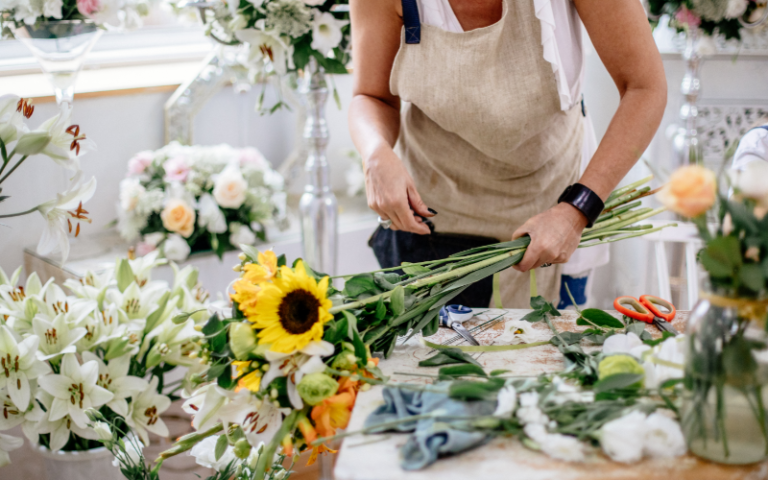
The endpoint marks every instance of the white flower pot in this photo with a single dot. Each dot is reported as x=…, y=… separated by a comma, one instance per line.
x=93, y=464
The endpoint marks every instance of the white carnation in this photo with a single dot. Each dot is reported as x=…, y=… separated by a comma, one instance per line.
x=176, y=248
x=506, y=402
x=622, y=439
x=663, y=437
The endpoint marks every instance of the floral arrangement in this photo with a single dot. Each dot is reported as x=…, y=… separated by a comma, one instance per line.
x=107, y=346
x=283, y=373
x=125, y=14
x=281, y=36
x=728, y=344
x=190, y=198
x=64, y=144
x=710, y=16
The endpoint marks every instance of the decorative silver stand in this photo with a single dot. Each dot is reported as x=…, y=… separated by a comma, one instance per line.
x=318, y=208
x=686, y=144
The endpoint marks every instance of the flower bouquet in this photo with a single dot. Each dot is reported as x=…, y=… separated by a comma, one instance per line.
x=63, y=143
x=710, y=16
x=124, y=14
x=190, y=199
x=107, y=346
x=284, y=372
x=727, y=366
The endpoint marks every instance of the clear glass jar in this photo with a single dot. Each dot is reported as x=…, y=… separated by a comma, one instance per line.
x=726, y=381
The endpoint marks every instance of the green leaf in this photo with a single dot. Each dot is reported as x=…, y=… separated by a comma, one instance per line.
x=125, y=275
x=722, y=256
x=599, y=318
x=664, y=335
x=478, y=275
x=570, y=338
x=751, y=276
x=381, y=310
x=360, y=351
x=447, y=357
x=743, y=219
x=534, y=316
x=636, y=327
x=412, y=270
x=221, y=447
x=671, y=382
x=154, y=317
x=397, y=301
x=358, y=285
x=336, y=331
x=351, y=323
x=499, y=372
x=472, y=390
x=617, y=382
x=461, y=371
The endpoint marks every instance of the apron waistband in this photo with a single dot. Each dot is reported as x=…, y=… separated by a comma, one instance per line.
x=411, y=22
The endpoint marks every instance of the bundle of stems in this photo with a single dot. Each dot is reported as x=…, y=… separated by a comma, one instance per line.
x=414, y=298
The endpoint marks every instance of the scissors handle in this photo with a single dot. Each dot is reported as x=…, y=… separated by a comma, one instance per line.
x=652, y=303
x=639, y=313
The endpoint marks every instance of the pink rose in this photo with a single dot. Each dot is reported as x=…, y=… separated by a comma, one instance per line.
x=143, y=248
x=251, y=156
x=141, y=160
x=176, y=169
x=88, y=7
x=687, y=17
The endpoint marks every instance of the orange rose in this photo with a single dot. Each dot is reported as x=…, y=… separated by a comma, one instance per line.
x=179, y=217
x=691, y=191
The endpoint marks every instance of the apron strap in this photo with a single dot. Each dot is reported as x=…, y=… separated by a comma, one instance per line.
x=411, y=22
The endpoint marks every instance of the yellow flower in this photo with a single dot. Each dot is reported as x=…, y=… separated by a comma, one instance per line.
x=246, y=295
x=291, y=312
x=252, y=381
x=265, y=270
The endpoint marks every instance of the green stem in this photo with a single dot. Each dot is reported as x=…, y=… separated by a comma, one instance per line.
x=460, y=272
x=534, y=288
x=618, y=211
x=360, y=303
x=486, y=348
x=25, y=212
x=14, y=168
x=188, y=441
x=267, y=456
x=638, y=234
x=628, y=188
x=626, y=198
x=618, y=219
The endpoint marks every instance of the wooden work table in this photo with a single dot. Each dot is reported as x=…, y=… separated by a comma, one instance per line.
x=376, y=457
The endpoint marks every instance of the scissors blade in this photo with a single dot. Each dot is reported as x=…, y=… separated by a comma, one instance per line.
x=665, y=326
x=459, y=328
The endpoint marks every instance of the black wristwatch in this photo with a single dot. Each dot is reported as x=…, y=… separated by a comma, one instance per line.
x=584, y=200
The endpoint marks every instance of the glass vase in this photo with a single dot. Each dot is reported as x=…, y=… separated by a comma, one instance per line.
x=726, y=381
x=60, y=47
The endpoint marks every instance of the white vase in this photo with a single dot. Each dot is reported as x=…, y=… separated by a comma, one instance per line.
x=93, y=464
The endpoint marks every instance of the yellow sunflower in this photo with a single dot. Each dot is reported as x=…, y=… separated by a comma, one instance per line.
x=291, y=311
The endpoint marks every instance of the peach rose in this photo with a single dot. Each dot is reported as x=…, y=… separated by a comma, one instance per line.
x=178, y=217
x=691, y=191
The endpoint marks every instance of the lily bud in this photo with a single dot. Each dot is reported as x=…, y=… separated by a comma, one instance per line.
x=242, y=340
x=242, y=449
x=8, y=132
x=32, y=143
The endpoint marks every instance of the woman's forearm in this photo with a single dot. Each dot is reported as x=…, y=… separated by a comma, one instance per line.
x=629, y=134
x=374, y=124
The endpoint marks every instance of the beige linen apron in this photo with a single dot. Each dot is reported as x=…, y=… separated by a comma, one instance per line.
x=483, y=135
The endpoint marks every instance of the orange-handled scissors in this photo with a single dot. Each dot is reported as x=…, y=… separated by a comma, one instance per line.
x=647, y=310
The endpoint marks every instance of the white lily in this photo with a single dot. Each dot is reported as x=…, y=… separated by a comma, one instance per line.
x=204, y=406
x=11, y=118
x=11, y=415
x=295, y=366
x=205, y=454
x=101, y=327
x=137, y=303
x=142, y=267
x=326, y=32
x=91, y=286
x=144, y=412
x=259, y=419
x=74, y=390
x=113, y=376
x=268, y=47
x=55, y=302
x=19, y=303
x=59, y=215
x=57, y=337
x=8, y=444
x=59, y=428
x=18, y=366
x=173, y=343
x=67, y=142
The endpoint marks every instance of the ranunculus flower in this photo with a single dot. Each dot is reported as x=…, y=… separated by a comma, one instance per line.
x=178, y=217
x=176, y=248
x=176, y=169
x=230, y=188
x=139, y=163
x=691, y=191
x=316, y=387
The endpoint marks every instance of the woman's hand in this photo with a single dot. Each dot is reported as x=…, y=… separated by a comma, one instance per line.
x=555, y=235
x=392, y=194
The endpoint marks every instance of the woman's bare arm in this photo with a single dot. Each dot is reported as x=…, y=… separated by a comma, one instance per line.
x=374, y=114
x=622, y=37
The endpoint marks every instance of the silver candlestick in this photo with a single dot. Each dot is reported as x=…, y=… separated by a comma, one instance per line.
x=686, y=143
x=318, y=208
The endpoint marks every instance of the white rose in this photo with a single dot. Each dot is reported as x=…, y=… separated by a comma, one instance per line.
x=176, y=248
x=230, y=188
x=205, y=454
x=621, y=439
x=663, y=437
x=131, y=192
x=506, y=402
x=241, y=235
x=210, y=215
x=751, y=181
x=627, y=344
x=326, y=32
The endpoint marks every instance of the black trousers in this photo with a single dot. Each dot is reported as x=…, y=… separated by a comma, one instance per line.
x=392, y=248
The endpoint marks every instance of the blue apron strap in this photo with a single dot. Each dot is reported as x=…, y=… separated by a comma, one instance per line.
x=764, y=127
x=411, y=22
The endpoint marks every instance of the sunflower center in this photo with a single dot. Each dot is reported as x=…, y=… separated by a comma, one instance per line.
x=298, y=311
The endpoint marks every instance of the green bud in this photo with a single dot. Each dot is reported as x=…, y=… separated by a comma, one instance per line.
x=616, y=364
x=487, y=423
x=346, y=360
x=154, y=357
x=242, y=449
x=316, y=387
x=32, y=143
x=117, y=348
x=242, y=340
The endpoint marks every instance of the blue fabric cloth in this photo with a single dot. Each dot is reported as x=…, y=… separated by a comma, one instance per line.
x=578, y=288
x=411, y=22
x=431, y=437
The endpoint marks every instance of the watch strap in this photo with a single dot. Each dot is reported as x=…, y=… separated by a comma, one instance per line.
x=584, y=200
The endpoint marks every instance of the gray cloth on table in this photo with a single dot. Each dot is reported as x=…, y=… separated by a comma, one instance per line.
x=431, y=437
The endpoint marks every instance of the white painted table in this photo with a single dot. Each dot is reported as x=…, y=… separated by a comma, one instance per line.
x=376, y=457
